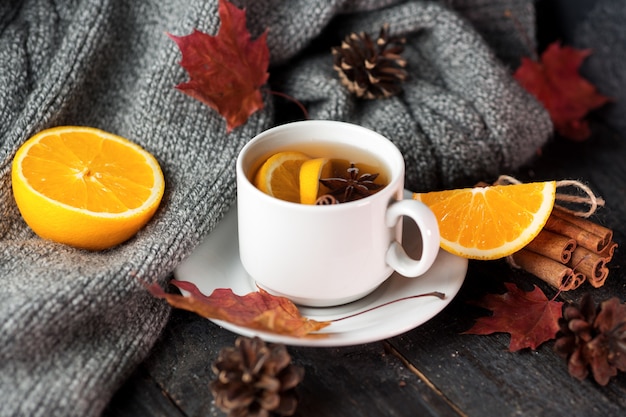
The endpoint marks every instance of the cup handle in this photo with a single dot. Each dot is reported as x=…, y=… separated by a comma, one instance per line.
x=426, y=221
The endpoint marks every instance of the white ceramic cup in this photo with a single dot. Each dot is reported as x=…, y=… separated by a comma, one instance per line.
x=334, y=254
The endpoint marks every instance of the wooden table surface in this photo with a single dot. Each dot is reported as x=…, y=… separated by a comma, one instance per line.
x=432, y=370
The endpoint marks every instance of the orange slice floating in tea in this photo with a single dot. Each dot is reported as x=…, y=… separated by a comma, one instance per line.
x=279, y=176
x=490, y=222
x=310, y=174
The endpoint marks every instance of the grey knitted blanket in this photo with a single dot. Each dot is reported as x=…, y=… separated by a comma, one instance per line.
x=73, y=323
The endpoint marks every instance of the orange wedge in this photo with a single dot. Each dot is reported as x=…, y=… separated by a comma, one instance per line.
x=310, y=174
x=279, y=176
x=85, y=187
x=490, y=222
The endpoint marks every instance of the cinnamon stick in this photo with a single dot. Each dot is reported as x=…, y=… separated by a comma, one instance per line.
x=582, y=237
x=599, y=281
x=558, y=275
x=589, y=263
x=553, y=246
x=579, y=278
x=604, y=233
x=608, y=252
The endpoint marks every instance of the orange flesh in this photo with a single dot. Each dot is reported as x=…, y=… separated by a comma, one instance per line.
x=85, y=171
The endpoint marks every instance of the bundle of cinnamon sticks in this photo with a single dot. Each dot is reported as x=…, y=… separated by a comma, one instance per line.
x=568, y=251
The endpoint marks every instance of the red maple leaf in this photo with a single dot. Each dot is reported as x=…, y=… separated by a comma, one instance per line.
x=227, y=70
x=557, y=84
x=256, y=310
x=529, y=317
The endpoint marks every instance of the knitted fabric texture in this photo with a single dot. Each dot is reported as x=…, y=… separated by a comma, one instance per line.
x=74, y=324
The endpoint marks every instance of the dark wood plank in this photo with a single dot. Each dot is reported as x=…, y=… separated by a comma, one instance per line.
x=141, y=396
x=364, y=380
x=181, y=361
x=361, y=380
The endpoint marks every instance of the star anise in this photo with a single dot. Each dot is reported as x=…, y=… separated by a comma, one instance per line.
x=353, y=186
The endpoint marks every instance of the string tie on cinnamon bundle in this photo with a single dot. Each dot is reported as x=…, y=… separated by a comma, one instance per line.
x=571, y=248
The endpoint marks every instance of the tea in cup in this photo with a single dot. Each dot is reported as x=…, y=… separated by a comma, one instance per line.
x=320, y=209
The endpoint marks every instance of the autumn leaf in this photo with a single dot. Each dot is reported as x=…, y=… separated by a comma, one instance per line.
x=529, y=317
x=256, y=310
x=557, y=84
x=227, y=70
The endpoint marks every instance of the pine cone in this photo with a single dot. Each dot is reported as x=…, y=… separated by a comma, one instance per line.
x=370, y=69
x=593, y=338
x=255, y=379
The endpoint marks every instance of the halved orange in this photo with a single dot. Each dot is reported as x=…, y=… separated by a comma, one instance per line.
x=85, y=187
x=279, y=176
x=490, y=222
x=310, y=173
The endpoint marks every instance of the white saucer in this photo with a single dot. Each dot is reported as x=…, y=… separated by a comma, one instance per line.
x=215, y=264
